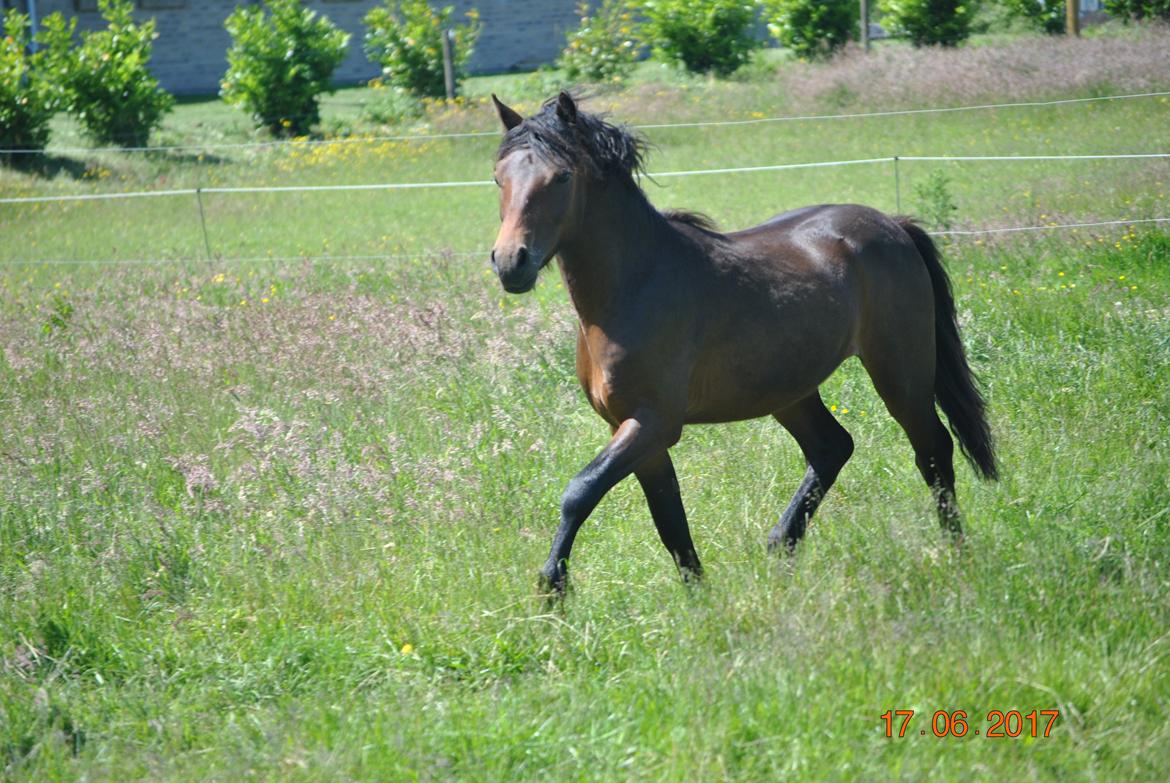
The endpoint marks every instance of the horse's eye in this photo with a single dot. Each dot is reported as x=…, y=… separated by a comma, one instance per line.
x=562, y=177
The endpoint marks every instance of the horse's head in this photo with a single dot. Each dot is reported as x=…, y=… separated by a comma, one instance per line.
x=540, y=190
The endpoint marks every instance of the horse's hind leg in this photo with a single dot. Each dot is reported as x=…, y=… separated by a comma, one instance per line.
x=660, y=484
x=912, y=405
x=827, y=446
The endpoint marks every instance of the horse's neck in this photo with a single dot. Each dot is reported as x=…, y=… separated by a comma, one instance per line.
x=613, y=251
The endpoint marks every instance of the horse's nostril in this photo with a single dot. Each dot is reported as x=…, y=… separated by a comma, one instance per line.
x=493, y=257
x=522, y=256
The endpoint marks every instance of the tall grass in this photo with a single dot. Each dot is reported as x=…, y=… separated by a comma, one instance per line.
x=297, y=537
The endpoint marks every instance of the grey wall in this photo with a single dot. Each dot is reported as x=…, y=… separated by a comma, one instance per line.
x=190, y=53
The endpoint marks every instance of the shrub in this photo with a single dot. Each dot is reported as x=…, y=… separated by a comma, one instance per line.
x=391, y=105
x=1139, y=9
x=935, y=202
x=931, y=22
x=282, y=58
x=30, y=84
x=812, y=29
x=406, y=39
x=701, y=35
x=1044, y=15
x=604, y=47
x=108, y=82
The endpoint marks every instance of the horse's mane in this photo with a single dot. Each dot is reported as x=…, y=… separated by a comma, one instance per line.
x=590, y=143
x=697, y=220
x=594, y=146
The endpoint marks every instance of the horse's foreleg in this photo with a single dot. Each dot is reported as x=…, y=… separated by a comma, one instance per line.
x=827, y=446
x=658, y=480
x=636, y=438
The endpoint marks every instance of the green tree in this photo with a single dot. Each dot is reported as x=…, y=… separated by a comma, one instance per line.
x=31, y=84
x=812, y=29
x=702, y=36
x=108, y=80
x=282, y=59
x=604, y=46
x=1045, y=15
x=406, y=39
x=1139, y=9
x=931, y=22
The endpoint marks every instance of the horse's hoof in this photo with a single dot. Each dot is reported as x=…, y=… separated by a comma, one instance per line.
x=553, y=585
x=782, y=545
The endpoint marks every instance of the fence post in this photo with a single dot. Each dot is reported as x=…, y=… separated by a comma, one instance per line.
x=1072, y=17
x=865, y=24
x=897, y=188
x=448, y=64
x=203, y=222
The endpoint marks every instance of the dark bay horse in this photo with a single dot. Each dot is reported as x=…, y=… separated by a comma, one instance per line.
x=682, y=324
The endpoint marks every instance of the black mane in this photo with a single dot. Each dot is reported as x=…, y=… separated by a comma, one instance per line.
x=594, y=146
x=588, y=144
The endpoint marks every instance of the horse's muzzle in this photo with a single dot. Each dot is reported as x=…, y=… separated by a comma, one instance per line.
x=517, y=270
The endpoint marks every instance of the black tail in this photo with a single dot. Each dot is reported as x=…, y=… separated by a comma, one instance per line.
x=955, y=386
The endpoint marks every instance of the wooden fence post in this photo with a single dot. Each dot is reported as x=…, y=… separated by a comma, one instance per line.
x=448, y=65
x=865, y=24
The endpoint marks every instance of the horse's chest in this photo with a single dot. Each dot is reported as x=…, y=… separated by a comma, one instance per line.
x=596, y=373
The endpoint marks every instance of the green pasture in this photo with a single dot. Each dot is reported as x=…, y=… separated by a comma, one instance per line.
x=281, y=520
x=462, y=219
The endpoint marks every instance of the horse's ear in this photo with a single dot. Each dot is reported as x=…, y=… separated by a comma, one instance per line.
x=507, y=114
x=566, y=108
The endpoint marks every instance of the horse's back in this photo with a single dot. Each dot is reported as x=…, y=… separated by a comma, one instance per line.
x=840, y=247
x=837, y=229
x=805, y=287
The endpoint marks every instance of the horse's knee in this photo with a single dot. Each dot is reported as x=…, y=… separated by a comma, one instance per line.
x=575, y=502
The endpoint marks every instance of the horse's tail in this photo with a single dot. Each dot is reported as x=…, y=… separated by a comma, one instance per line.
x=955, y=385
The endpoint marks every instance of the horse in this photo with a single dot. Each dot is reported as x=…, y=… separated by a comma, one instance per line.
x=680, y=323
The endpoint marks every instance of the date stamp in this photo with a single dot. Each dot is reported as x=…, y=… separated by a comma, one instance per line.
x=955, y=723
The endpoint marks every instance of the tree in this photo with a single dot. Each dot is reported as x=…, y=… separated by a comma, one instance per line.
x=702, y=36
x=1139, y=9
x=282, y=58
x=405, y=38
x=812, y=29
x=31, y=84
x=932, y=22
x=108, y=81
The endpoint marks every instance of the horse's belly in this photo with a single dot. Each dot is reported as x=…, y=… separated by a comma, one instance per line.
x=747, y=387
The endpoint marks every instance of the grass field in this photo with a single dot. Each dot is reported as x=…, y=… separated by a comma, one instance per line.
x=281, y=520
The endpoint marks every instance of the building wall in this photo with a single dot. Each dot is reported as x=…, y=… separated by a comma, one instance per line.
x=190, y=55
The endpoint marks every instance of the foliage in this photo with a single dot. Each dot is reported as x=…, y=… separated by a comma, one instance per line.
x=1045, y=15
x=931, y=22
x=110, y=87
x=282, y=58
x=604, y=47
x=936, y=204
x=812, y=29
x=30, y=83
x=391, y=105
x=702, y=36
x=1139, y=9
x=406, y=39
